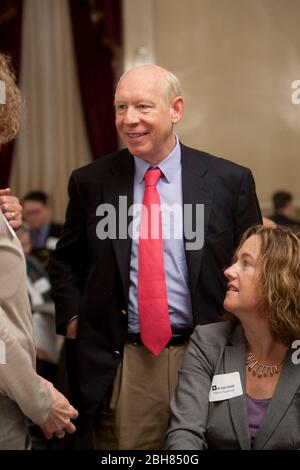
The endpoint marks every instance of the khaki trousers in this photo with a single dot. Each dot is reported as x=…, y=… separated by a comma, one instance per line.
x=135, y=413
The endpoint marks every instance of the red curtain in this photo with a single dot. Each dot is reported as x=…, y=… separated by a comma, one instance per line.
x=97, y=31
x=10, y=44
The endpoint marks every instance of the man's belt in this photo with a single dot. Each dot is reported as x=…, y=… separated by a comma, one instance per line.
x=176, y=340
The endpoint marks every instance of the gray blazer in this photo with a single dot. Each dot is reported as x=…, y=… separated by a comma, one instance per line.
x=196, y=423
x=21, y=391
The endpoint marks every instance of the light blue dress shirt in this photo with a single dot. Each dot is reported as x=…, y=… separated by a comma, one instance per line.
x=170, y=191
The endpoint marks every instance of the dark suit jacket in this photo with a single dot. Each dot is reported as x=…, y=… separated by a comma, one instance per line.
x=91, y=276
x=55, y=230
x=197, y=424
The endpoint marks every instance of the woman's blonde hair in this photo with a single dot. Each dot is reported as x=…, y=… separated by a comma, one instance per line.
x=279, y=278
x=10, y=107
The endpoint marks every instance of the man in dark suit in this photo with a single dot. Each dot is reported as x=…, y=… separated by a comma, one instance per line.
x=96, y=268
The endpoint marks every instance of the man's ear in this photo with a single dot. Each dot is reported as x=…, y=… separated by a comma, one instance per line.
x=177, y=109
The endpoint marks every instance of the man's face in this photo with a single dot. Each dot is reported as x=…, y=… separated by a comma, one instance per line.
x=144, y=118
x=36, y=214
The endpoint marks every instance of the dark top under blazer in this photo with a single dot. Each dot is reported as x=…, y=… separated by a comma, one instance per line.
x=91, y=276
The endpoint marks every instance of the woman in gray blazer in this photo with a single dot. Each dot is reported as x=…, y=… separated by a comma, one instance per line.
x=22, y=392
x=239, y=384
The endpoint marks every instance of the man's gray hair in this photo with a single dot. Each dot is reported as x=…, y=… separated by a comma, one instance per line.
x=173, y=85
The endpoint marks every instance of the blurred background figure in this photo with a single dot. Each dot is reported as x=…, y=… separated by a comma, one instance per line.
x=44, y=233
x=48, y=343
x=283, y=209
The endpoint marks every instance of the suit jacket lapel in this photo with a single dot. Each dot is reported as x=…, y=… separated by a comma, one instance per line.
x=121, y=184
x=284, y=393
x=235, y=362
x=195, y=191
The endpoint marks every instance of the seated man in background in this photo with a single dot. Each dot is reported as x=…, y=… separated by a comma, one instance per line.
x=283, y=209
x=48, y=343
x=44, y=233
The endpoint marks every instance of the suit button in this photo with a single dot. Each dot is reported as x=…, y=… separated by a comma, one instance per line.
x=124, y=311
x=117, y=355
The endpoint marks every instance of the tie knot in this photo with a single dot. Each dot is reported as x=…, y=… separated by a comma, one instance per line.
x=152, y=176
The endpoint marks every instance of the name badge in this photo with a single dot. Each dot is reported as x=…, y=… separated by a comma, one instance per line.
x=225, y=386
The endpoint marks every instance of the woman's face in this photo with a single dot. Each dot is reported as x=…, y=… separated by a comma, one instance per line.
x=242, y=296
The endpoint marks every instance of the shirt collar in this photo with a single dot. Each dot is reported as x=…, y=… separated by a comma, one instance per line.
x=169, y=166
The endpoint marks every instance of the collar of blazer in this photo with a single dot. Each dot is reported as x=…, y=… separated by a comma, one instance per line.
x=235, y=354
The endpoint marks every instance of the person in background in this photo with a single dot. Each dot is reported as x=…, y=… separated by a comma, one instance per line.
x=48, y=343
x=23, y=393
x=283, y=209
x=239, y=385
x=138, y=298
x=44, y=233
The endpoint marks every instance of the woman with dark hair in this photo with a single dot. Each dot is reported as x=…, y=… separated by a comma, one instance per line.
x=239, y=384
x=23, y=394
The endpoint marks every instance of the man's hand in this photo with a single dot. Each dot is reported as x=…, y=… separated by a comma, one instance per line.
x=11, y=208
x=72, y=329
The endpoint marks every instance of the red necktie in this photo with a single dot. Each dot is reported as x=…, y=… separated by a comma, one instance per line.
x=155, y=326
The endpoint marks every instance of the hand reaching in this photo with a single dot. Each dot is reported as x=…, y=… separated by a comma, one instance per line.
x=60, y=415
x=11, y=208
